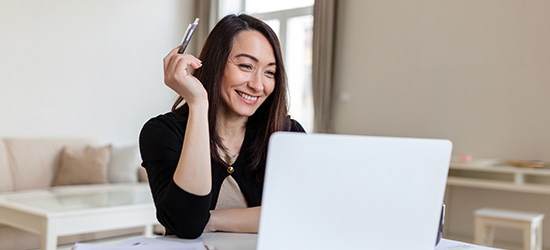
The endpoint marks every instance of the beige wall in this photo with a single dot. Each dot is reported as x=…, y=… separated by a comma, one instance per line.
x=475, y=72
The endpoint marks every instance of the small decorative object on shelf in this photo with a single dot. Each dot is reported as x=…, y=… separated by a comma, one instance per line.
x=465, y=158
x=529, y=164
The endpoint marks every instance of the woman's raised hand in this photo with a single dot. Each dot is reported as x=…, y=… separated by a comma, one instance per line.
x=179, y=79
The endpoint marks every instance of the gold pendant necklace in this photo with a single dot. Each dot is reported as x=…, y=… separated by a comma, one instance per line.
x=228, y=163
x=230, y=169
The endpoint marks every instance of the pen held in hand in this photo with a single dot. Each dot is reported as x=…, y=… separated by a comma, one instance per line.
x=188, y=34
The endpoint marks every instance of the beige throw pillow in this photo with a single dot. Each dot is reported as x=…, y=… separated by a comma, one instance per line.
x=142, y=175
x=125, y=161
x=83, y=165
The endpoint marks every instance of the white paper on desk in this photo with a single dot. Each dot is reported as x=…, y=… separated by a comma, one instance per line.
x=145, y=243
x=446, y=244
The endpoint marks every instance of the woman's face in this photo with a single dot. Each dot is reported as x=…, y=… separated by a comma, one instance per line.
x=249, y=75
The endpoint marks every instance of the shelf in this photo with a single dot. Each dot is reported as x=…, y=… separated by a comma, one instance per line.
x=494, y=174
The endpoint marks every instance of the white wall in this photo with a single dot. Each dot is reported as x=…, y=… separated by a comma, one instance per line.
x=475, y=72
x=86, y=68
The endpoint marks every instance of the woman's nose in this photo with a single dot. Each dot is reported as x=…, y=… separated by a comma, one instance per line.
x=256, y=82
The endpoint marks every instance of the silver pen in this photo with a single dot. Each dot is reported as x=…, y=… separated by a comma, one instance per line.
x=188, y=34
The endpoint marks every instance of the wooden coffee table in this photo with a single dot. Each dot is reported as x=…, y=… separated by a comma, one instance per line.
x=60, y=212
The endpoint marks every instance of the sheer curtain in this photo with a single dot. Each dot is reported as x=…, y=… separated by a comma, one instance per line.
x=206, y=11
x=324, y=23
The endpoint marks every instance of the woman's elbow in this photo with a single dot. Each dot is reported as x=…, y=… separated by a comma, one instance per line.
x=185, y=229
x=189, y=234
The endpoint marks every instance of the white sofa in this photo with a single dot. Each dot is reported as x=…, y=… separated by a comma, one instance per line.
x=30, y=164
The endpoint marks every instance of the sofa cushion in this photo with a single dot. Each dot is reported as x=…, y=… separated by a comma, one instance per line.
x=83, y=165
x=125, y=162
x=34, y=161
x=142, y=175
x=6, y=183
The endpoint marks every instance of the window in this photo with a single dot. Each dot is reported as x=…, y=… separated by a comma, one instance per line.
x=292, y=20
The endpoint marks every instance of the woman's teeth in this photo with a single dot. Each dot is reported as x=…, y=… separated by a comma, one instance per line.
x=247, y=97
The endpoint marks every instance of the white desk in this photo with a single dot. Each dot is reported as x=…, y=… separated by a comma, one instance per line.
x=52, y=214
x=230, y=241
x=238, y=241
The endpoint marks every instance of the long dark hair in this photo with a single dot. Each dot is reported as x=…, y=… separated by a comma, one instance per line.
x=271, y=116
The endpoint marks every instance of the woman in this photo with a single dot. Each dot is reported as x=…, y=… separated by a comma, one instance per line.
x=205, y=160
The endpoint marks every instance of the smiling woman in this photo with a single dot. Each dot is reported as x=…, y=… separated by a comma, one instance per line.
x=206, y=159
x=249, y=76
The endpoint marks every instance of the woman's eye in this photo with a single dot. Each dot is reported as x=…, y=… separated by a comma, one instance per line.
x=270, y=73
x=245, y=66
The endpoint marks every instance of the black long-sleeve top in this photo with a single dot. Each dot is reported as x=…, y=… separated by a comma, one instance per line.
x=181, y=213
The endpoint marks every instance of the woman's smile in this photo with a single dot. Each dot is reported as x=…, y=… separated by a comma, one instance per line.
x=247, y=98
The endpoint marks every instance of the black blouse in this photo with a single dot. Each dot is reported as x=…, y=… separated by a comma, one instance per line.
x=181, y=213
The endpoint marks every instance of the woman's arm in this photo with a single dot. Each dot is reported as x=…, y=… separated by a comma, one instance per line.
x=176, y=154
x=242, y=220
x=193, y=172
x=182, y=213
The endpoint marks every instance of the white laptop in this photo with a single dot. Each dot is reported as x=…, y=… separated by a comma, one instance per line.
x=332, y=192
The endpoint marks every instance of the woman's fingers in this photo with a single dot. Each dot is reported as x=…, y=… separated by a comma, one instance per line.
x=179, y=62
x=168, y=61
x=178, y=77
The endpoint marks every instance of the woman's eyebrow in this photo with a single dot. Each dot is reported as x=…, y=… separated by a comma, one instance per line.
x=253, y=58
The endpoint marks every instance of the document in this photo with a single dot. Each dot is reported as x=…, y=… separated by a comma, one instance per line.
x=145, y=243
x=446, y=244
